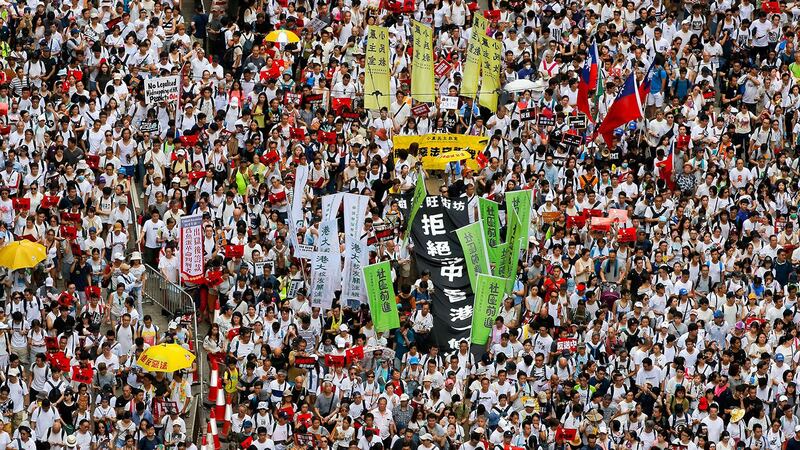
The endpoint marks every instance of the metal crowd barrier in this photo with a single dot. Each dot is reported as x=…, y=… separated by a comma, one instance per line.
x=172, y=298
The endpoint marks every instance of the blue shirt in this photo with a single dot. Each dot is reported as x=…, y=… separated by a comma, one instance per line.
x=659, y=74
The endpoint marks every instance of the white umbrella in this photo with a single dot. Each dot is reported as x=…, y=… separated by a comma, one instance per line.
x=520, y=85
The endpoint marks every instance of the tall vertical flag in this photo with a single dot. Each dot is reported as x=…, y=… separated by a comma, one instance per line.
x=472, y=67
x=520, y=202
x=588, y=80
x=489, y=214
x=423, y=85
x=488, y=295
x=476, y=255
x=376, y=76
x=420, y=191
x=382, y=303
x=627, y=106
x=491, y=66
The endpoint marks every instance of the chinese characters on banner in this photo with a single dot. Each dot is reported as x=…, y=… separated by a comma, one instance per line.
x=355, y=255
x=296, y=221
x=473, y=244
x=382, y=303
x=325, y=265
x=324, y=272
x=377, y=73
x=488, y=295
x=489, y=213
x=437, y=249
x=435, y=150
x=491, y=66
x=423, y=86
x=192, y=262
x=472, y=67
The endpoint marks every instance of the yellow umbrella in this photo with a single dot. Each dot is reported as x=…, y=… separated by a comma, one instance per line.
x=282, y=37
x=165, y=358
x=22, y=254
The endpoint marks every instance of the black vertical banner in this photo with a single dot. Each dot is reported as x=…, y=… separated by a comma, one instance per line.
x=437, y=249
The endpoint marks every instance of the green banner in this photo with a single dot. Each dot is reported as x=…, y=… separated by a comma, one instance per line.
x=494, y=258
x=419, y=196
x=488, y=295
x=509, y=256
x=489, y=212
x=520, y=203
x=382, y=303
x=473, y=244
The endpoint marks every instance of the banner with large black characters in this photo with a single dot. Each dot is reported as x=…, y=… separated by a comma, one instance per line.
x=437, y=249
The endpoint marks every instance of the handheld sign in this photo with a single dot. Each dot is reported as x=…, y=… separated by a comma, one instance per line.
x=527, y=114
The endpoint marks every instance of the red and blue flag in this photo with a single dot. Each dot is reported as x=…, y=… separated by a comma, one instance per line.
x=627, y=106
x=588, y=80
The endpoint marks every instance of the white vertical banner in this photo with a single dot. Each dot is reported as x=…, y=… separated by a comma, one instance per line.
x=330, y=205
x=324, y=274
x=355, y=212
x=296, y=212
x=191, y=246
x=356, y=258
x=328, y=240
x=296, y=218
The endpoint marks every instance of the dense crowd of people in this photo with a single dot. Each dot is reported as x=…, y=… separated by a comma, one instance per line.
x=674, y=327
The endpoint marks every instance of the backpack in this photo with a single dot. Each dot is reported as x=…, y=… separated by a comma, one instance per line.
x=229, y=57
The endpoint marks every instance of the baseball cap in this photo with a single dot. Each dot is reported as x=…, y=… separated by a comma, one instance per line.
x=718, y=314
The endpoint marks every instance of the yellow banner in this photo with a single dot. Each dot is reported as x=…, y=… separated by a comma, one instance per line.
x=377, y=73
x=472, y=67
x=491, y=65
x=423, y=86
x=436, y=150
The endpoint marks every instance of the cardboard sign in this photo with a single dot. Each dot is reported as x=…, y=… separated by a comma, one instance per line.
x=50, y=201
x=449, y=102
x=148, y=126
x=620, y=215
x=313, y=98
x=421, y=110
x=21, y=204
x=527, y=114
x=572, y=139
x=316, y=25
x=442, y=68
x=578, y=121
x=350, y=116
x=545, y=121
x=234, y=251
x=298, y=133
x=326, y=137
x=83, y=376
x=162, y=89
x=291, y=97
x=570, y=344
x=550, y=217
x=626, y=234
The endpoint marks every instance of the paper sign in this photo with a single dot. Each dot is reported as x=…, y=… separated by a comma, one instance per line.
x=442, y=68
x=449, y=102
x=420, y=110
x=620, y=215
x=162, y=89
x=527, y=114
x=550, y=217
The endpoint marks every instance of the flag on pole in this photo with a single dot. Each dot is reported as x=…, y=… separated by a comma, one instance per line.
x=423, y=85
x=488, y=295
x=627, y=106
x=382, y=303
x=588, y=80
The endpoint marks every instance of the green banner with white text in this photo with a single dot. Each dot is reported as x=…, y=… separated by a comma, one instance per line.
x=488, y=295
x=380, y=292
x=476, y=255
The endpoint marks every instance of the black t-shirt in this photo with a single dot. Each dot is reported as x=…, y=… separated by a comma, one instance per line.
x=62, y=325
x=146, y=443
